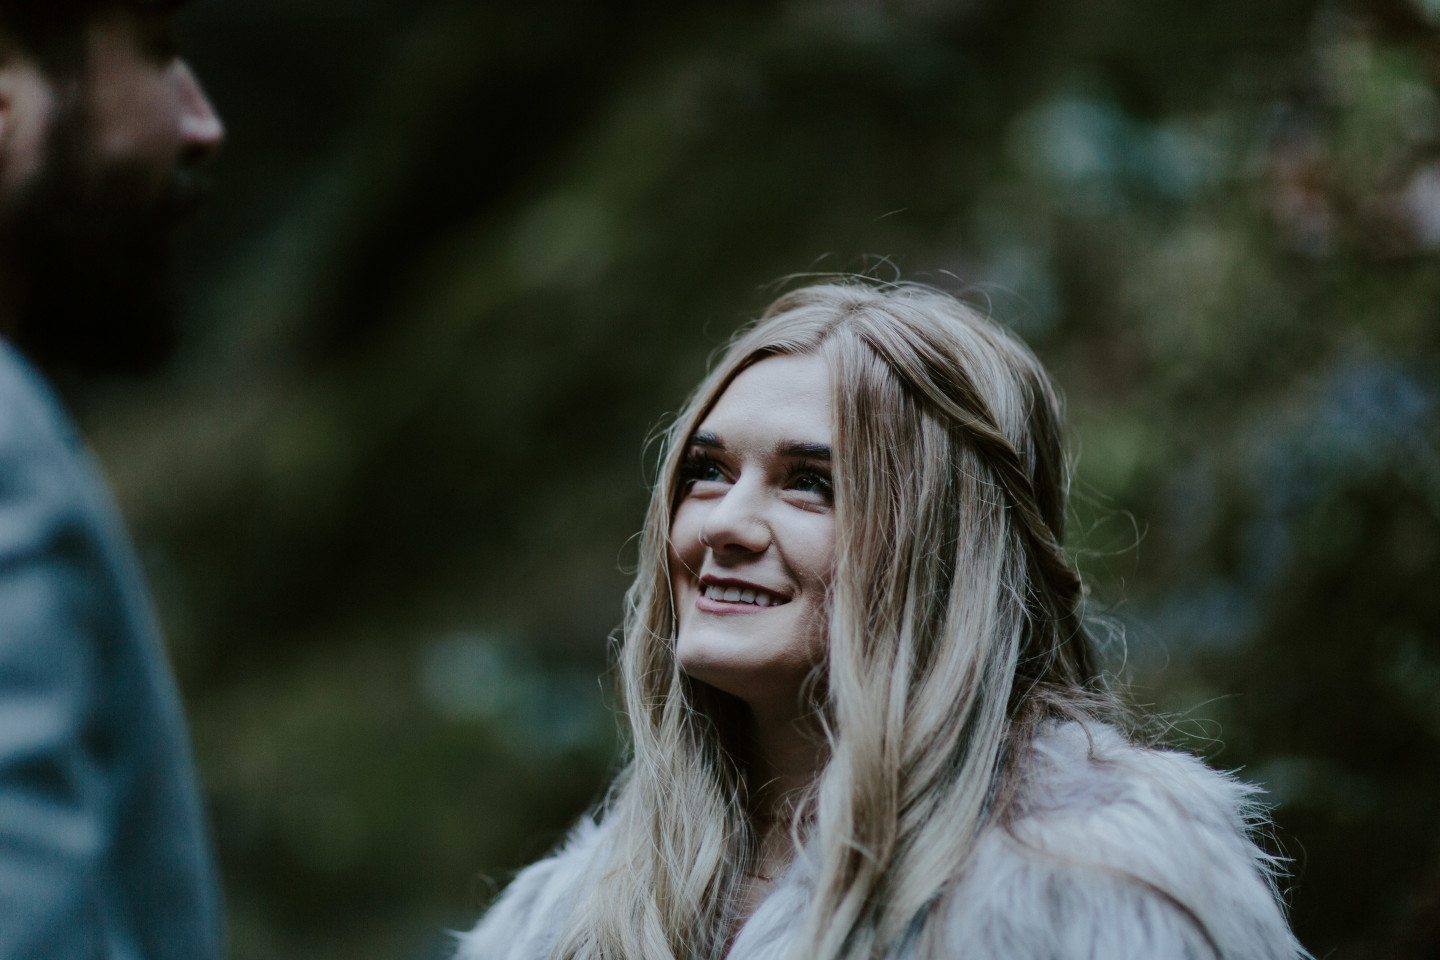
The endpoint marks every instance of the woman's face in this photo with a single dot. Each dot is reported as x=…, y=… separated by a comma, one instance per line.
x=753, y=541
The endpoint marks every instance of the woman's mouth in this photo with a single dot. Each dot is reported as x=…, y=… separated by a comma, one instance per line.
x=729, y=593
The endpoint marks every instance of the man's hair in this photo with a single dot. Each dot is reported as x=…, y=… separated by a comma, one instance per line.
x=46, y=29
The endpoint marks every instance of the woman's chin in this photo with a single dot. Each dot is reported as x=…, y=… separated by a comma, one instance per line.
x=765, y=683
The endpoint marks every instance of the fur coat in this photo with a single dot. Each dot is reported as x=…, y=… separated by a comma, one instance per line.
x=1116, y=852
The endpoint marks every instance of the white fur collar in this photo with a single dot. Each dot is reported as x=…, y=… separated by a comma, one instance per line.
x=1117, y=852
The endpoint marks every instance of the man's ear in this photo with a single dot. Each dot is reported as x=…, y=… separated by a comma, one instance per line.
x=27, y=99
x=7, y=89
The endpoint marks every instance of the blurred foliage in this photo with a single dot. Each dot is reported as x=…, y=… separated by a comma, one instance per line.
x=464, y=256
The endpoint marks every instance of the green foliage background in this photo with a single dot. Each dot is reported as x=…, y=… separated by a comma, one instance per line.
x=464, y=256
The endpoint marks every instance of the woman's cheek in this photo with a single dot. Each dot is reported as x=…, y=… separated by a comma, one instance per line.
x=687, y=552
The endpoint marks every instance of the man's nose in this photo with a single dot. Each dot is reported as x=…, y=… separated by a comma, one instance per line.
x=201, y=130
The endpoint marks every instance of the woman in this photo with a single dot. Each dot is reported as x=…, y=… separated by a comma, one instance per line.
x=866, y=718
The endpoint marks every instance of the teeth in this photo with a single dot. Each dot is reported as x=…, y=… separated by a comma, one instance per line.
x=737, y=595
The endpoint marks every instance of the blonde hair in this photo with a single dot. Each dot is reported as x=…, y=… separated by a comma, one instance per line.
x=955, y=631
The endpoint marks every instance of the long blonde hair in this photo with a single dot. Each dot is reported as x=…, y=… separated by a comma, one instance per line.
x=955, y=631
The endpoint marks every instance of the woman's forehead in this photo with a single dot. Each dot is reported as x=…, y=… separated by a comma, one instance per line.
x=781, y=397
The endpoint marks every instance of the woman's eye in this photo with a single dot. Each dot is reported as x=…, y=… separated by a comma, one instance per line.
x=701, y=469
x=813, y=483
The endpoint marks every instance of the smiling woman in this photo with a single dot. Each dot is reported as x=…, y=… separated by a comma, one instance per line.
x=753, y=539
x=867, y=720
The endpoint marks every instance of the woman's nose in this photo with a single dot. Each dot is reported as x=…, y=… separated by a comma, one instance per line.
x=736, y=522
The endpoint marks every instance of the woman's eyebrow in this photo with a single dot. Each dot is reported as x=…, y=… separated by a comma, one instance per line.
x=808, y=449
x=704, y=438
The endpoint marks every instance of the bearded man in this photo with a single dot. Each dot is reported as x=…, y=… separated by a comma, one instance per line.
x=103, y=849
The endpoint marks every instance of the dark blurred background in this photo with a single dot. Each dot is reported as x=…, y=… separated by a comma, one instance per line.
x=464, y=256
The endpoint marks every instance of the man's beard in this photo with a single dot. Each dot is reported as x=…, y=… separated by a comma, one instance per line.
x=93, y=256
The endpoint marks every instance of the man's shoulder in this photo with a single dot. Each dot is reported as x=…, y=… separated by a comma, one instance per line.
x=1123, y=850
x=31, y=417
x=48, y=481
